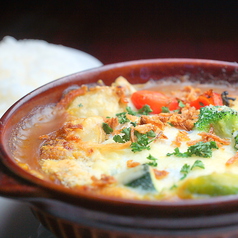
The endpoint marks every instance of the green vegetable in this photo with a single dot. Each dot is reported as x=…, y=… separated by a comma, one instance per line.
x=235, y=136
x=187, y=168
x=212, y=185
x=118, y=139
x=151, y=134
x=123, y=138
x=153, y=161
x=130, y=111
x=138, y=177
x=223, y=119
x=143, y=141
x=165, y=110
x=181, y=104
x=145, y=110
x=201, y=149
x=199, y=164
x=106, y=128
x=141, y=145
x=178, y=153
x=122, y=119
x=126, y=132
x=133, y=123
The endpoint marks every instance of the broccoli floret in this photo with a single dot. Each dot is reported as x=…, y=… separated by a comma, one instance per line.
x=223, y=119
x=235, y=136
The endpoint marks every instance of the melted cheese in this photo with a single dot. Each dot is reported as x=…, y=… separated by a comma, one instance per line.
x=102, y=101
x=82, y=150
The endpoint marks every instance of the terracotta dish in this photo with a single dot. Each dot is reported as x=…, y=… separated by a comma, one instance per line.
x=69, y=213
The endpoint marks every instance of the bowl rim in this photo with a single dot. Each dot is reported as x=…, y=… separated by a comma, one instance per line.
x=52, y=188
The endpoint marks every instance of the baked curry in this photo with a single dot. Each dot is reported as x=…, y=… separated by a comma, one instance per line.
x=147, y=142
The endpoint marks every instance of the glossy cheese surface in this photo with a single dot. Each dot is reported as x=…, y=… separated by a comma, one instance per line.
x=95, y=150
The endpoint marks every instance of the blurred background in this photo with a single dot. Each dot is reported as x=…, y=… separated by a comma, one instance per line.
x=113, y=30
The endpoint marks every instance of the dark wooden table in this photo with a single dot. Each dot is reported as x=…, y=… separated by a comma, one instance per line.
x=116, y=31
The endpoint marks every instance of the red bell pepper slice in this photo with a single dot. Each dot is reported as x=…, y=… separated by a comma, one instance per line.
x=206, y=99
x=156, y=100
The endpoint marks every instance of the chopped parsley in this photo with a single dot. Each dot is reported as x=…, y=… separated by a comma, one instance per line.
x=199, y=164
x=181, y=104
x=122, y=119
x=133, y=123
x=107, y=128
x=118, y=139
x=165, y=110
x=235, y=135
x=80, y=105
x=187, y=168
x=126, y=132
x=141, y=144
x=201, y=149
x=151, y=134
x=153, y=161
x=123, y=138
x=143, y=141
x=145, y=110
x=178, y=153
x=130, y=111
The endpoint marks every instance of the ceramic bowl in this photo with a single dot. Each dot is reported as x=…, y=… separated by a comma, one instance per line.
x=69, y=213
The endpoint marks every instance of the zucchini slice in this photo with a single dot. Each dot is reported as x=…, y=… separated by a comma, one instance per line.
x=209, y=185
x=138, y=177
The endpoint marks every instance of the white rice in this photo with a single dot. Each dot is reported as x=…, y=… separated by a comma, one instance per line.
x=27, y=64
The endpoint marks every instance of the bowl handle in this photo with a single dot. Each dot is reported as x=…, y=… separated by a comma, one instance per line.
x=15, y=187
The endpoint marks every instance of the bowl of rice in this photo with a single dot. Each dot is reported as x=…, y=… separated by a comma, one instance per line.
x=27, y=64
